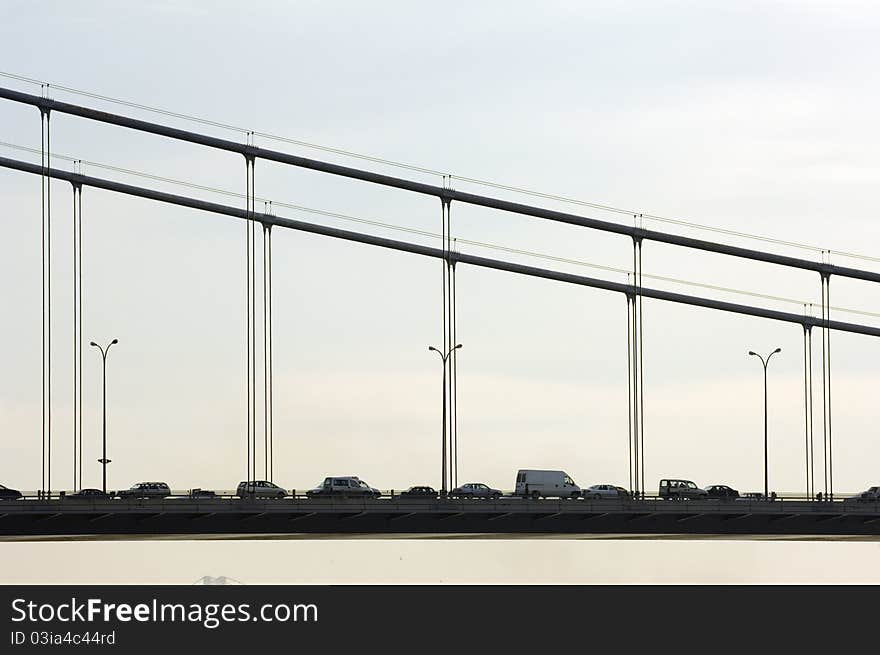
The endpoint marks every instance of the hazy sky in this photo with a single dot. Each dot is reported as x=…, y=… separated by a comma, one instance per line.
x=753, y=116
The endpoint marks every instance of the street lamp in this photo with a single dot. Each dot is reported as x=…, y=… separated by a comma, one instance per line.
x=765, y=362
x=444, y=358
x=104, y=461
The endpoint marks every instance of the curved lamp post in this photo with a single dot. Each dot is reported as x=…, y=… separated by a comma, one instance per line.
x=444, y=358
x=765, y=362
x=104, y=461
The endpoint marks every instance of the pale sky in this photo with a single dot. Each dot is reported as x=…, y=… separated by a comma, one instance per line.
x=752, y=116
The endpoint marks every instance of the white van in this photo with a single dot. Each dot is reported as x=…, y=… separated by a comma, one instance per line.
x=546, y=484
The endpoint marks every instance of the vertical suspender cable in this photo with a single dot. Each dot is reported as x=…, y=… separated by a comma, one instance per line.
x=248, y=308
x=454, y=383
x=43, y=180
x=812, y=450
x=824, y=397
x=629, y=396
x=806, y=413
x=75, y=322
x=253, y=309
x=641, y=375
x=444, y=266
x=271, y=353
x=48, y=304
x=80, y=338
x=265, y=354
x=830, y=432
x=635, y=360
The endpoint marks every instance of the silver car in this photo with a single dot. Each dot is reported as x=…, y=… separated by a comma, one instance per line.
x=146, y=490
x=345, y=486
x=681, y=490
x=603, y=491
x=259, y=489
x=475, y=490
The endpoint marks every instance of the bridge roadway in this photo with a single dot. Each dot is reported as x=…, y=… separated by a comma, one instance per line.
x=388, y=516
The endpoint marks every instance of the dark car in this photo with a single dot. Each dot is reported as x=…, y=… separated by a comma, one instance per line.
x=89, y=494
x=9, y=494
x=143, y=490
x=419, y=492
x=722, y=491
x=202, y=493
x=475, y=490
x=346, y=486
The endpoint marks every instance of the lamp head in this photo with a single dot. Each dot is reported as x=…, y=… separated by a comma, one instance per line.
x=457, y=347
x=752, y=352
x=433, y=348
x=778, y=350
x=94, y=344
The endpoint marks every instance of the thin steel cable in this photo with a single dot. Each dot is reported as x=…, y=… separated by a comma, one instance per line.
x=430, y=171
x=73, y=278
x=806, y=418
x=254, y=314
x=812, y=425
x=629, y=395
x=830, y=431
x=443, y=266
x=434, y=235
x=454, y=380
x=265, y=358
x=641, y=371
x=49, y=304
x=43, y=179
x=80, y=339
x=448, y=339
x=824, y=397
x=248, y=313
x=635, y=351
x=271, y=381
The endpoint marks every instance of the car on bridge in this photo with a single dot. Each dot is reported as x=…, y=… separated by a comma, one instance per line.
x=475, y=490
x=9, y=494
x=346, y=486
x=146, y=490
x=681, y=490
x=89, y=494
x=757, y=497
x=605, y=491
x=545, y=484
x=722, y=491
x=872, y=495
x=202, y=493
x=423, y=492
x=258, y=489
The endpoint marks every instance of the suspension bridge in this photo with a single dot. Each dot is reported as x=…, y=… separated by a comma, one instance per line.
x=48, y=512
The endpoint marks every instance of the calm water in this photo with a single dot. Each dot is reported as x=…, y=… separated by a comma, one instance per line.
x=424, y=560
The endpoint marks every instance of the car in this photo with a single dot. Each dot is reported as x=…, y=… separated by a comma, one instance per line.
x=681, y=490
x=721, y=491
x=90, y=494
x=146, y=490
x=872, y=495
x=545, y=484
x=603, y=491
x=202, y=493
x=419, y=492
x=345, y=486
x=756, y=497
x=475, y=490
x=259, y=489
x=9, y=494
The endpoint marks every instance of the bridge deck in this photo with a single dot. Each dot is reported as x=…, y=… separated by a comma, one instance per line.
x=184, y=516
